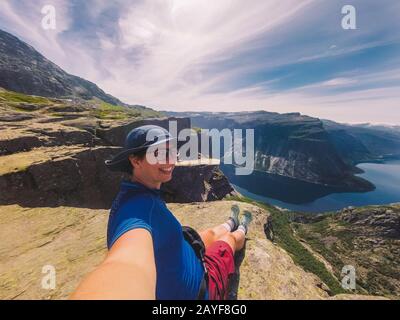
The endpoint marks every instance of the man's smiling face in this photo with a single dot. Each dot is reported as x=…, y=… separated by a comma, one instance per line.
x=156, y=167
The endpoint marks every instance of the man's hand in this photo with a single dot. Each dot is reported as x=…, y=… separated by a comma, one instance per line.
x=128, y=272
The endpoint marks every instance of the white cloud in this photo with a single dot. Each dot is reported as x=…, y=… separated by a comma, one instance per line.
x=160, y=53
x=338, y=82
x=173, y=38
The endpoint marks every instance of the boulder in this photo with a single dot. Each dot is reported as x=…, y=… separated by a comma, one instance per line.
x=197, y=183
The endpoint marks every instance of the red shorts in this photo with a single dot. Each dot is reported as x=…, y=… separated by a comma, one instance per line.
x=220, y=265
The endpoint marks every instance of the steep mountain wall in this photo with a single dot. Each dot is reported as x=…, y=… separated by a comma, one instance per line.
x=290, y=145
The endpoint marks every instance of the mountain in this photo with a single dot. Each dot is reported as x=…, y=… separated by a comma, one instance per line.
x=290, y=145
x=32, y=87
x=364, y=142
x=24, y=70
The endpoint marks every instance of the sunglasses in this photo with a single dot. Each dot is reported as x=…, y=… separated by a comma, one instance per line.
x=161, y=154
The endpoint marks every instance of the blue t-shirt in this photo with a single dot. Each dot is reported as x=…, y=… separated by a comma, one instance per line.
x=179, y=271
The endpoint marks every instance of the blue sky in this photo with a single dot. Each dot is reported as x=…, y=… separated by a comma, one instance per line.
x=227, y=55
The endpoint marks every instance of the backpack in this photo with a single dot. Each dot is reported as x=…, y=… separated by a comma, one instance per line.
x=193, y=238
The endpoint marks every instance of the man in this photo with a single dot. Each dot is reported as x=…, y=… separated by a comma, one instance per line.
x=148, y=256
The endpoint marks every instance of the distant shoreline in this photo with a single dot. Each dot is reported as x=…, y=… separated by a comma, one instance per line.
x=294, y=197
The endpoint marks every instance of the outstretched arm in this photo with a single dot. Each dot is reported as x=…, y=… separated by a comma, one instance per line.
x=128, y=272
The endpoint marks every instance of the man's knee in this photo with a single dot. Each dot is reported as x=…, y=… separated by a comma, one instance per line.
x=229, y=238
x=210, y=233
x=207, y=236
x=231, y=235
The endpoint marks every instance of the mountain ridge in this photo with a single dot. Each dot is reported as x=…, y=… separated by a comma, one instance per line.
x=289, y=144
x=23, y=69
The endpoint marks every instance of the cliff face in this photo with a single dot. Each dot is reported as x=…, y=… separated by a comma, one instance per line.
x=364, y=142
x=290, y=145
x=195, y=184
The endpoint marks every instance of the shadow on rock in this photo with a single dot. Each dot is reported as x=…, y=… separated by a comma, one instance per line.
x=235, y=278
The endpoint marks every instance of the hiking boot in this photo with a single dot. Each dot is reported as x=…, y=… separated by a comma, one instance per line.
x=245, y=220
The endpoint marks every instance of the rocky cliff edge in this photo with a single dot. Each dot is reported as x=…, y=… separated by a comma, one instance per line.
x=73, y=241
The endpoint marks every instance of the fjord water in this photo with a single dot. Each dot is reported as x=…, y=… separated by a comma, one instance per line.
x=306, y=197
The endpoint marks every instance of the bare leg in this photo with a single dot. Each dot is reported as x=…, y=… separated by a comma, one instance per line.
x=234, y=239
x=219, y=233
x=213, y=234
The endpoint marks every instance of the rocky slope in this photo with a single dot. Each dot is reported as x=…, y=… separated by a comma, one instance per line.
x=364, y=142
x=367, y=238
x=290, y=145
x=73, y=241
x=25, y=70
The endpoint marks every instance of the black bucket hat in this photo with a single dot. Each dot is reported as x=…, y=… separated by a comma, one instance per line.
x=136, y=141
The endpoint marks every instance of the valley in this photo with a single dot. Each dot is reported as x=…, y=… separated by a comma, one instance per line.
x=307, y=197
